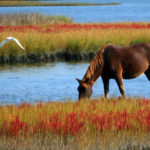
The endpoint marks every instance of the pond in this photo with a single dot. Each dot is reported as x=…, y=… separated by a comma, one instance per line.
x=57, y=81
x=129, y=10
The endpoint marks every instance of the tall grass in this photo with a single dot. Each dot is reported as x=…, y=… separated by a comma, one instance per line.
x=96, y=124
x=31, y=19
x=67, y=41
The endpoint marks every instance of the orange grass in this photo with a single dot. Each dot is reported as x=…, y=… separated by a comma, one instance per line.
x=91, y=124
x=75, y=118
x=42, y=41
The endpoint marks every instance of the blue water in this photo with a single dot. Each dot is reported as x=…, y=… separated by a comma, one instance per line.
x=137, y=2
x=129, y=10
x=57, y=81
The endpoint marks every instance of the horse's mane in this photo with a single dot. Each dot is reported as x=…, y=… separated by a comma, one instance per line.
x=95, y=65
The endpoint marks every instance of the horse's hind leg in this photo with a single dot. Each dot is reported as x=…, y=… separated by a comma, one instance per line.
x=147, y=73
x=120, y=85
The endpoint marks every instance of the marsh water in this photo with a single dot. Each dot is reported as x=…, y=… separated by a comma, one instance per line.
x=56, y=81
x=128, y=10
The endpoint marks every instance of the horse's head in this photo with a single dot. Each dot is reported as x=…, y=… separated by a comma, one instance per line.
x=84, y=89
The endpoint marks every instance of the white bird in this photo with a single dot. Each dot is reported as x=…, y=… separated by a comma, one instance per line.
x=11, y=39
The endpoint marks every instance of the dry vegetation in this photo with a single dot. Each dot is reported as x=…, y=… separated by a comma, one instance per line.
x=31, y=19
x=95, y=124
x=58, y=40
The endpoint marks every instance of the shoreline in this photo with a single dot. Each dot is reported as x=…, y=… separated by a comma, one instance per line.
x=55, y=56
x=61, y=42
x=33, y=3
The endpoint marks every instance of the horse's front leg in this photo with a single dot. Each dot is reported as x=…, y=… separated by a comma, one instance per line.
x=106, y=86
x=119, y=81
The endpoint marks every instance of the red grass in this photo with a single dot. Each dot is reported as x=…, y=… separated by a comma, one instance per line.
x=68, y=27
x=94, y=118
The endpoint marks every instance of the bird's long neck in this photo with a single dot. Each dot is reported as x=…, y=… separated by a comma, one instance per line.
x=2, y=43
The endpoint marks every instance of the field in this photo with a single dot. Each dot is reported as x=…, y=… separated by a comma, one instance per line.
x=89, y=124
x=57, y=38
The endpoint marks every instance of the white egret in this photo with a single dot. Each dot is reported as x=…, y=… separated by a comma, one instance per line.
x=11, y=39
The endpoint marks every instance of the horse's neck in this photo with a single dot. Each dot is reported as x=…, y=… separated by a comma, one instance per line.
x=95, y=68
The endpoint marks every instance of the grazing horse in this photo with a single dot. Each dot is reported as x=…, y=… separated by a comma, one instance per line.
x=116, y=62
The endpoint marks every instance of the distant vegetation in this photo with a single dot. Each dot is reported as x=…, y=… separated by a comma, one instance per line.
x=38, y=3
x=57, y=38
x=67, y=41
x=32, y=19
x=119, y=124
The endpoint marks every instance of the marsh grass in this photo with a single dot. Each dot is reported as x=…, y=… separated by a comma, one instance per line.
x=46, y=118
x=31, y=19
x=64, y=41
x=112, y=141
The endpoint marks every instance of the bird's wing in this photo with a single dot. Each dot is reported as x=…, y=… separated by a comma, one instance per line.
x=14, y=39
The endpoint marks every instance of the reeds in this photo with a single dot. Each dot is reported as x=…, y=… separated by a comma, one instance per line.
x=31, y=19
x=68, y=41
x=94, y=124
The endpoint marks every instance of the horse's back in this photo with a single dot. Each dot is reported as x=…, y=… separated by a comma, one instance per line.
x=132, y=60
x=142, y=49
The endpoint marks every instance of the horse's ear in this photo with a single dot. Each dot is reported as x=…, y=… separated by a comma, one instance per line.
x=79, y=80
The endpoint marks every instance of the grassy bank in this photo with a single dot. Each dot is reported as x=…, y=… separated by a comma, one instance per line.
x=38, y=3
x=47, y=38
x=67, y=41
x=88, y=124
x=32, y=19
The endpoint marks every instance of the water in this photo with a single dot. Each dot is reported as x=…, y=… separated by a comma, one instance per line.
x=128, y=2
x=56, y=81
x=129, y=10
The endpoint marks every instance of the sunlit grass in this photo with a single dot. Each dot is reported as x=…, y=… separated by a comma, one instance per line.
x=89, y=124
x=68, y=41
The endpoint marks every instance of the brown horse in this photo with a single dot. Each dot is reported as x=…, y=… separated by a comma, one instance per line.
x=115, y=62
